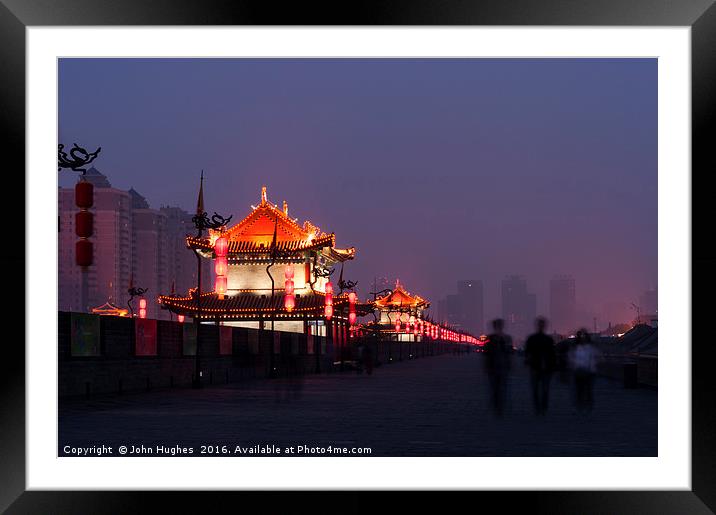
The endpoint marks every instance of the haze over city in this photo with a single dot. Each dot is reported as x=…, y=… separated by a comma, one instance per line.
x=436, y=170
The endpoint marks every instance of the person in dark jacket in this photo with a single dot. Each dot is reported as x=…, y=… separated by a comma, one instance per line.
x=541, y=357
x=497, y=349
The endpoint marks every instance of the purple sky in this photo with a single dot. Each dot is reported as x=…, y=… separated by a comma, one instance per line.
x=435, y=169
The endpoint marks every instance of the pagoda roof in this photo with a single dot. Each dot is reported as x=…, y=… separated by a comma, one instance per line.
x=255, y=234
x=108, y=308
x=400, y=298
x=249, y=247
x=249, y=304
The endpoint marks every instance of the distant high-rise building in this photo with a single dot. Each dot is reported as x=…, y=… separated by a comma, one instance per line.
x=562, y=304
x=181, y=260
x=649, y=305
x=453, y=311
x=465, y=310
x=149, y=259
x=519, y=308
x=442, y=313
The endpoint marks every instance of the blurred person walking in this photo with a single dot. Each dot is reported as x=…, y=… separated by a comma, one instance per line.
x=583, y=358
x=540, y=357
x=497, y=351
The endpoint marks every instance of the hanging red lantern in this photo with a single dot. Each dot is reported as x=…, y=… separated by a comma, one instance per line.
x=289, y=302
x=83, y=224
x=352, y=298
x=220, y=285
x=180, y=319
x=288, y=279
x=397, y=324
x=84, y=194
x=221, y=246
x=83, y=253
x=329, y=301
x=289, y=287
x=142, y=303
x=221, y=265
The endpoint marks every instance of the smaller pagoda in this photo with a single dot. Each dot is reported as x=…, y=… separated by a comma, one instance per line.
x=110, y=309
x=401, y=314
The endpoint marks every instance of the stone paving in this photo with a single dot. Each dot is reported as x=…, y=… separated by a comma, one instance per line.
x=435, y=406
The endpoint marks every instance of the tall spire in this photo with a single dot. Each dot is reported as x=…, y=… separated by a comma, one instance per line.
x=263, y=195
x=200, y=200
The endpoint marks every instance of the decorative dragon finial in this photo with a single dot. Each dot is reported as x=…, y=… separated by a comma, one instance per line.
x=78, y=157
x=217, y=221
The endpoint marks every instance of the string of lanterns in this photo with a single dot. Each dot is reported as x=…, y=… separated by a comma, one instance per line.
x=328, y=309
x=221, y=265
x=289, y=298
x=84, y=199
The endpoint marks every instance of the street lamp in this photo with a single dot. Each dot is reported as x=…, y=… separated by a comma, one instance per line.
x=84, y=199
x=201, y=222
x=134, y=292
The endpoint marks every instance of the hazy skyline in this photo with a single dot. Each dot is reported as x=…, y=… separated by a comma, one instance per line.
x=436, y=170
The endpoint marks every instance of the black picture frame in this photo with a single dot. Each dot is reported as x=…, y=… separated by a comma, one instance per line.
x=700, y=15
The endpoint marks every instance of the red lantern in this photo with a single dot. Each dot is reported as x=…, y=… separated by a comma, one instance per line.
x=289, y=302
x=142, y=313
x=83, y=253
x=142, y=303
x=397, y=324
x=84, y=194
x=221, y=265
x=288, y=283
x=329, y=301
x=180, y=319
x=352, y=298
x=221, y=246
x=220, y=285
x=83, y=224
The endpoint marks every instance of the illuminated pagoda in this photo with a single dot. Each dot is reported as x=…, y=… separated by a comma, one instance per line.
x=401, y=313
x=110, y=309
x=268, y=244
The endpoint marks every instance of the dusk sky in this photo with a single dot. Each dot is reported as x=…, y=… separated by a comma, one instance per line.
x=436, y=170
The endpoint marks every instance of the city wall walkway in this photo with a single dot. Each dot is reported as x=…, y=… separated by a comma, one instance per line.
x=426, y=407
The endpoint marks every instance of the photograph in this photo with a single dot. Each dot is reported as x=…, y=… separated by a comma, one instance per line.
x=357, y=257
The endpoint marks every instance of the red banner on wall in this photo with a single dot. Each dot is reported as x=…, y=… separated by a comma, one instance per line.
x=225, y=340
x=145, y=337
